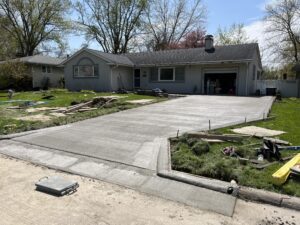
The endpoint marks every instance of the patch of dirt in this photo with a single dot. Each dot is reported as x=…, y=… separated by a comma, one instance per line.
x=57, y=114
x=38, y=117
x=40, y=109
x=141, y=101
x=101, y=203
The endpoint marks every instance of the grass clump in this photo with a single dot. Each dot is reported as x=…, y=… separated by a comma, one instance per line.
x=200, y=148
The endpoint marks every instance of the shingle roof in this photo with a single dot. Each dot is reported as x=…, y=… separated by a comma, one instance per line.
x=194, y=55
x=240, y=52
x=113, y=58
x=39, y=59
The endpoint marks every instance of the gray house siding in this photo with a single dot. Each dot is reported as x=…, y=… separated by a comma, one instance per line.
x=187, y=79
x=101, y=82
x=39, y=77
x=192, y=78
x=121, y=78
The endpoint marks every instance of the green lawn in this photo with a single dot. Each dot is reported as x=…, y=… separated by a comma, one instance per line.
x=215, y=165
x=62, y=98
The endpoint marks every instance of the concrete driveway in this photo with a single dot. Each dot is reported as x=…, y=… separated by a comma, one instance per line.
x=122, y=148
x=132, y=137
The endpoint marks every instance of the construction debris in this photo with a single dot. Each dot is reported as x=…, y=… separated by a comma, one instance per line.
x=257, y=131
x=265, y=165
x=281, y=175
x=212, y=140
x=86, y=109
x=228, y=137
x=154, y=92
x=269, y=150
x=95, y=103
x=277, y=141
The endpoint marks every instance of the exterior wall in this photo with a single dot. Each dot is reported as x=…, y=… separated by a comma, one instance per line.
x=288, y=88
x=190, y=84
x=101, y=82
x=253, y=74
x=121, y=78
x=193, y=82
x=38, y=77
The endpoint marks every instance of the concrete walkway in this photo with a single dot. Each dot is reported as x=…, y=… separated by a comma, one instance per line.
x=122, y=148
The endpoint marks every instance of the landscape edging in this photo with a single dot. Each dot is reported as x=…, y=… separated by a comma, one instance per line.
x=246, y=193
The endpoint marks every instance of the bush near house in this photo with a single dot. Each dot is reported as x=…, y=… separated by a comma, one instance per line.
x=185, y=151
x=15, y=75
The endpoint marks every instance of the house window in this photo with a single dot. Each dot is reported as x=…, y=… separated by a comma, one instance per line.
x=166, y=74
x=46, y=69
x=84, y=71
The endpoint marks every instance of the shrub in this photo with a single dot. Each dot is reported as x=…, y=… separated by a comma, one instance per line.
x=200, y=148
x=15, y=75
x=192, y=141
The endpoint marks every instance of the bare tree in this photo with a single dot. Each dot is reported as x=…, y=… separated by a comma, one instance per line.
x=233, y=35
x=33, y=22
x=168, y=21
x=283, y=20
x=112, y=23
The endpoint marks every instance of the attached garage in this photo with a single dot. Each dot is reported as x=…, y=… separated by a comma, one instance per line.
x=220, y=83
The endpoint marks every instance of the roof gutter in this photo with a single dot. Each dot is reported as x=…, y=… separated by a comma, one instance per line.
x=196, y=63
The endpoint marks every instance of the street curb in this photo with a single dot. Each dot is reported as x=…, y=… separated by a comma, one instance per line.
x=268, y=197
x=246, y=193
x=11, y=136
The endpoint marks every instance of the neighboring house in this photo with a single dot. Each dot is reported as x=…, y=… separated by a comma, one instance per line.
x=43, y=68
x=228, y=70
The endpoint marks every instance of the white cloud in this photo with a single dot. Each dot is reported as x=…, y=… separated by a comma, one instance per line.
x=257, y=31
x=262, y=5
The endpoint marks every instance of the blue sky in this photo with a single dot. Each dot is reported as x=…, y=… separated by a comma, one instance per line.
x=224, y=13
x=220, y=13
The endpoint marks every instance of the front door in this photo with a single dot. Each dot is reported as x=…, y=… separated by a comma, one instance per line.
x=137, y=78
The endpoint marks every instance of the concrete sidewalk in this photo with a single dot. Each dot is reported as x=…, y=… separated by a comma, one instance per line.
x=131, y=177
x=122, y=148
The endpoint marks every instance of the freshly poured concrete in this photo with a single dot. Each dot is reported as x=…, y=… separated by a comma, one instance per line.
x=122, y=148
x=131, y=137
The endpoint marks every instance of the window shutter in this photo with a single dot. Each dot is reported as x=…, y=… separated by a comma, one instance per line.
x=154, y=74
x=179, y=73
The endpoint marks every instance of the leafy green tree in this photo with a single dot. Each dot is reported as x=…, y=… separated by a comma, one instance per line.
x=233, y=35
